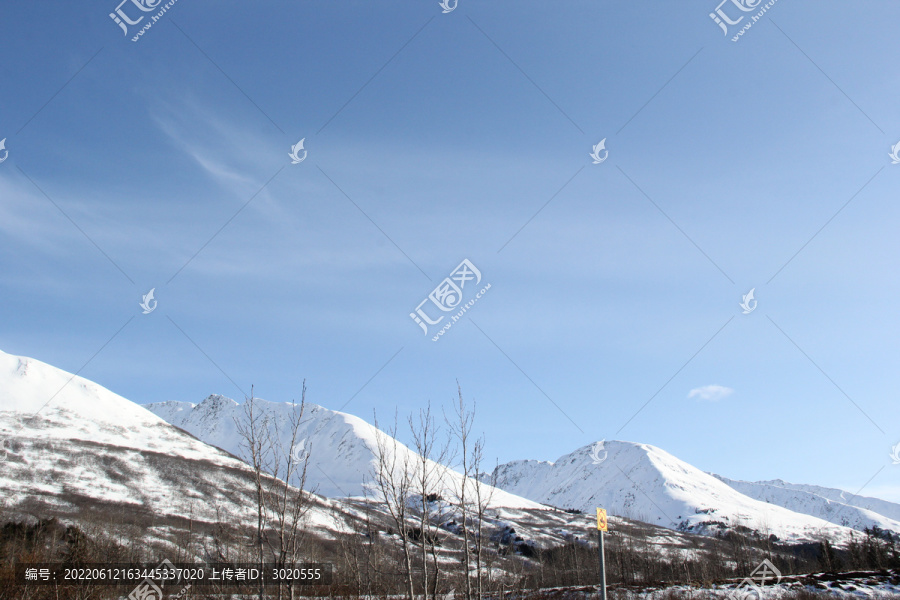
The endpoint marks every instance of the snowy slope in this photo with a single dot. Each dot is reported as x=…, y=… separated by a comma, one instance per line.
x=72, y=445
x=64, y=406
x=826, y=503
x=890, y=510
x=338, y=444
x=640, y=481
x=72, y=449
x=341, y=447
x=69, y=447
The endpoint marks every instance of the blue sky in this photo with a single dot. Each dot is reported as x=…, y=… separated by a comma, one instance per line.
x=433, y=138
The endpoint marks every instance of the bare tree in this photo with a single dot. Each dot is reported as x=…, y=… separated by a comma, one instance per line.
x=460, y=424
x=221, y=541
x=256, y=445
x=354, y=558
x=429, y=477
x=484, y=493
x=185, y=538
x=394, y=479
x=279, y=459
x=288, y=494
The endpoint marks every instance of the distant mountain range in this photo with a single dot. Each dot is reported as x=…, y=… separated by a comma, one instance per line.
x=637, y=481
x=646, y=483
x=73, y=450
x=833, y=505
x=342, y=448
x=70, y=445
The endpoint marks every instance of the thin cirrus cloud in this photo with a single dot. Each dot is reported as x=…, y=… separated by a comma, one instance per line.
x=711, y=393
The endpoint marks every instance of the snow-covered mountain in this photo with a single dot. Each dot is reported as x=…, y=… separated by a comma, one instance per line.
x=835, y=506
x=643, y=482
x=74, y=450
x=341, y=447
x=71, y=448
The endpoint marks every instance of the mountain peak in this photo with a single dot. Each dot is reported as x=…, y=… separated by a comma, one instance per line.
x=342, y=447
x=644, y=482
x=31, y=386
x=217, y=400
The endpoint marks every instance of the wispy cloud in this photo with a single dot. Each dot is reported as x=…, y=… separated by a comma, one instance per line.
x=232, y=154
x=711, y=393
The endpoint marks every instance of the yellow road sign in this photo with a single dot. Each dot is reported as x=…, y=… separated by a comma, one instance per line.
x=601, y=519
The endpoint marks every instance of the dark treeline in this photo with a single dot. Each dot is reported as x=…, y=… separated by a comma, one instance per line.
x=370, y=562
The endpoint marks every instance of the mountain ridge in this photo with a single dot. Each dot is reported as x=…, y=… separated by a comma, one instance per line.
x=342, y=447
x=642, y=481
x=856, y=512
x=68, y=437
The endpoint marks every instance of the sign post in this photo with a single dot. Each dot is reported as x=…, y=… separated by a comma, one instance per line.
x=602, y=527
